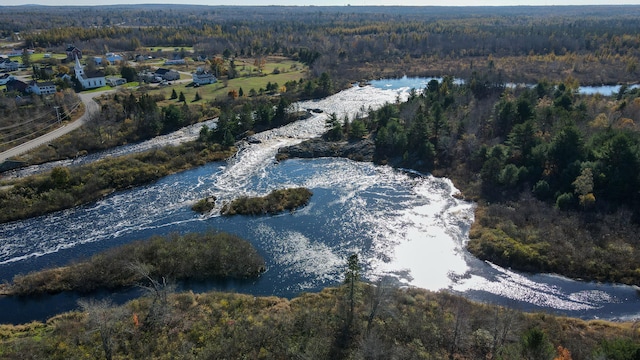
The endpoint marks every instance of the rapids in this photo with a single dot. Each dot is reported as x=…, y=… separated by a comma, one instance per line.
x=406, y=227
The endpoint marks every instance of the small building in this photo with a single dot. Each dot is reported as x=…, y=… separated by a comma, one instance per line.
x=113, y=82
x=17, y=85
x=73, y=53
x=167, y=74
x=42, y=88
x=113, y=58
x=5, y=78
x=176, y=62
x=16, y=53
x=63, y=77
x=146, y=76
x=202, y=77
x=9, y=65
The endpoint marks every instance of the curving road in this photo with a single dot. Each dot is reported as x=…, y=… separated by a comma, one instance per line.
x=91, y=108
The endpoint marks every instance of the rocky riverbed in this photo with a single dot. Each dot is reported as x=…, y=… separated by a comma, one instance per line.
x=362, y=150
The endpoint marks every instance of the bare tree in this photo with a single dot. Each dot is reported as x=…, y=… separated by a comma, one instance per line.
x=158, y=290
x=103, y=317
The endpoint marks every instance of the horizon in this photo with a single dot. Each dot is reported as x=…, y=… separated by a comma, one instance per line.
x=333, y=3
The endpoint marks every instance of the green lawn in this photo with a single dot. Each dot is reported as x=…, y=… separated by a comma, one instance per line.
x=106, y=87
x=256, y=82
x=39, y=57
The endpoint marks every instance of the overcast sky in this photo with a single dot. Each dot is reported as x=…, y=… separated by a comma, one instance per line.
x=334, y=2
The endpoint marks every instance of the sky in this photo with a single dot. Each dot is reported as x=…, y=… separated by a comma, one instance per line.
x=336, y=2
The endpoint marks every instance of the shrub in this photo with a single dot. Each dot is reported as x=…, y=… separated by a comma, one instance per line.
x=565, y=201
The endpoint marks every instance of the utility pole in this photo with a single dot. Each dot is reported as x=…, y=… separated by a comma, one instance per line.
x=58, y=114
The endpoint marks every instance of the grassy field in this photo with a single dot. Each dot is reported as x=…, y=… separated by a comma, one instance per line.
x=40, y=56
x=248, y=79
x=171, y=48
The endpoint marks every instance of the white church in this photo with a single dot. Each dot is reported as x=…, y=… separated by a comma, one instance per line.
x=89, y=80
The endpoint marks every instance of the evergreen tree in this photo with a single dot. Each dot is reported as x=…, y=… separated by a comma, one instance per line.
x=26, y=57
x=182, y=98
x=174, y=95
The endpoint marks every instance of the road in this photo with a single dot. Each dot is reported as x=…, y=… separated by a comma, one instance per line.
x=91, y=108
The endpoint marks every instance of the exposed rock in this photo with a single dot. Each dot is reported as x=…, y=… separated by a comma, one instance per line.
x=356, y=150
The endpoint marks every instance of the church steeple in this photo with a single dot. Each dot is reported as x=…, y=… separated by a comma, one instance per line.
x=78, y=68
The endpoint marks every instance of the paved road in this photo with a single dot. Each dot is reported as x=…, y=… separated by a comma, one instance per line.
x=91, y=107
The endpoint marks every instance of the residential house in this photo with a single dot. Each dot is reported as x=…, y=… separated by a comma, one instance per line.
x=17, y=85
x=9, y=65
x=5, y=78
x=147, y=77
x=175, y=62
x=63, y=77
x=167, y=74
x=73, y=53
x=113, y=82
x=202, y=77
x=113, y=58
x=16, y=53
x=89, y=80
x=42, y=88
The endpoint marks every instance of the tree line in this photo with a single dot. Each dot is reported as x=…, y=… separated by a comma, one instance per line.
x=338, y=37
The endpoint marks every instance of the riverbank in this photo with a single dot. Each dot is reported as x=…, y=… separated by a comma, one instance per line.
x=64, y=188
x=194, y=256
x=396, y=323
x=564, y=244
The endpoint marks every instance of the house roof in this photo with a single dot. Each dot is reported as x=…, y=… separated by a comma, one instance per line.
x=94, y=74
x=42, y=84
x=162, y=71
x=72, y=48
x=17, y=85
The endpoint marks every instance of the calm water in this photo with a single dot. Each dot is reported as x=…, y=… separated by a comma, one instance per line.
x=403, y=225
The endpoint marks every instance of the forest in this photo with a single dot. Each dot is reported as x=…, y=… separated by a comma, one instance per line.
x=598, y=44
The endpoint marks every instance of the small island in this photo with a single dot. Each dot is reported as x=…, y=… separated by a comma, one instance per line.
x=275, y=202
x=193, y=256
x=204, y=205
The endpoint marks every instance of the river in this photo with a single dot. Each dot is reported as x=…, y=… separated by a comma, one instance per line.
x=405, y=226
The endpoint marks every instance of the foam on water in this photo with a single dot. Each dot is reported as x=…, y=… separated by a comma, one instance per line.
x=402, y=224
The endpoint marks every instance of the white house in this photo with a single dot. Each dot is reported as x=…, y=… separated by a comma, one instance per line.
x=42, y=88
x=202, y=77
x=89, y=80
